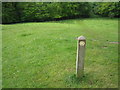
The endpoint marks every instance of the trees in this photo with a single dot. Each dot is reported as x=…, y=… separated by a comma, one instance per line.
x=108, y=9
x=9, y=13
x=44, y=11
x=75, y=9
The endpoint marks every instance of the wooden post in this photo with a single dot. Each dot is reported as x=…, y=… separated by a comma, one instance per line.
x=81, y=44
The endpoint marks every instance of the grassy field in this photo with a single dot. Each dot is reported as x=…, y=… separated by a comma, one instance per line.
x=43, y=55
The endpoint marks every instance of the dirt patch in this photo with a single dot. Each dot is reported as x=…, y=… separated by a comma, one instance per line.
x=114, y=42
x=104, y=47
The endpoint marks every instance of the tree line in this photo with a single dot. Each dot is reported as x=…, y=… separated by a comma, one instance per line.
x=13, y=12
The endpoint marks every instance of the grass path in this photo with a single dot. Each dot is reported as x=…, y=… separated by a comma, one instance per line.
x=43, y=55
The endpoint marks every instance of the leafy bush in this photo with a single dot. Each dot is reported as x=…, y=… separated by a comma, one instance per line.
x=107, y=9
x=9, y=13
x=42, y=11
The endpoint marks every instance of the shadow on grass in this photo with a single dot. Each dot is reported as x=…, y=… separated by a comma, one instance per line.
x=26, y=34
x=72, y=80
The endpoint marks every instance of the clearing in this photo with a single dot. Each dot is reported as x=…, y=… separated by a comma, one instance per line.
x=43, y=55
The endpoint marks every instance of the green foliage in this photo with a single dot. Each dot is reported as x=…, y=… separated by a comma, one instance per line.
x=108, y=9
x=75, y=9
x=49, y=11
x=42, y=11
x=8, y=13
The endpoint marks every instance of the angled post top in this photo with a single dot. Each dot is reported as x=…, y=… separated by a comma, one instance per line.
x=81, y=38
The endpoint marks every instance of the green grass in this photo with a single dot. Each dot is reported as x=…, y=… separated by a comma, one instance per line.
x=43, y=55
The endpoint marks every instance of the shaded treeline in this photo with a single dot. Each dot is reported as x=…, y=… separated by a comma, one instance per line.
x=13, y=12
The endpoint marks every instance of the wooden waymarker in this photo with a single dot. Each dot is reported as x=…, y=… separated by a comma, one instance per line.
x=81, y=44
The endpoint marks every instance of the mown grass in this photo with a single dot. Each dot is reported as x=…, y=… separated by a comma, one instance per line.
x=43, y=55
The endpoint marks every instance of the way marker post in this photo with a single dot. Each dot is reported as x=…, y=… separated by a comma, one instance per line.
x=81, y=44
